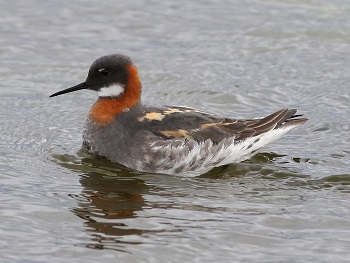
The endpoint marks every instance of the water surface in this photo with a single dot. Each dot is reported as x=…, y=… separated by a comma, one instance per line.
x=290, y=203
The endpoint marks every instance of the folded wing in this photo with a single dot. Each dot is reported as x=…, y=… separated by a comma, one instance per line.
x=188, y=123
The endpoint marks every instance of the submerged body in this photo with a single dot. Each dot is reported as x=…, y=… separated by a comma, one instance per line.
x=169, y=140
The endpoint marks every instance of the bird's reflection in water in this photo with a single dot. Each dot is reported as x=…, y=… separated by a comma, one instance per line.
x=107, y=201
x=111, y=195
x=112, y=200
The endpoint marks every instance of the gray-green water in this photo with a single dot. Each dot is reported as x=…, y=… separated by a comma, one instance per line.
x=239, y=58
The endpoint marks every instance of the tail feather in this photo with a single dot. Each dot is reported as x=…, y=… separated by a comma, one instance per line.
x=292, y=119
x=279, y=119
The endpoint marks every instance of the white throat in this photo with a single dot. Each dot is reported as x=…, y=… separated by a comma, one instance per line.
x=111, y=91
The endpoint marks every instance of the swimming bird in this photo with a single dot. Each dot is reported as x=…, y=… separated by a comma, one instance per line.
x=167, y=139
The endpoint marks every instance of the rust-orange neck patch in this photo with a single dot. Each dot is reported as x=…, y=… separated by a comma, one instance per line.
x=105, y=109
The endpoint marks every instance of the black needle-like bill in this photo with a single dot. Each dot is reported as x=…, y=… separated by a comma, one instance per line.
x=75, y=88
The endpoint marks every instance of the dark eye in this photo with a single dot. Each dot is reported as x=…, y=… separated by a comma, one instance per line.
x=104, y=71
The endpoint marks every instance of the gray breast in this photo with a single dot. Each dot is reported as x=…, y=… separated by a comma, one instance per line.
x=121, y=141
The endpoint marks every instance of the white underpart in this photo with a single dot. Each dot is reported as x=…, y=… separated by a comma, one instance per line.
x=114, y=90
x=205, y=155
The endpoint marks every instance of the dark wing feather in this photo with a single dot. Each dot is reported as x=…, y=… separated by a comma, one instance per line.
x=183, y=122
